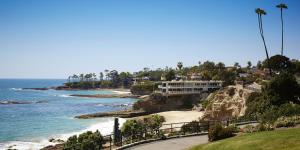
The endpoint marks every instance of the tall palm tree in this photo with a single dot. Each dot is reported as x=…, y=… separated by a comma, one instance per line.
x=261, y=12
x=179, y=65
x=282, y=6
x=75, y=77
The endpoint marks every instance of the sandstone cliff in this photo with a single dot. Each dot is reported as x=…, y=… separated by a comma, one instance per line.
x=227, y=103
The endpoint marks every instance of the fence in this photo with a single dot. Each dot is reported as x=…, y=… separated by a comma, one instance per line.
x=165, y=131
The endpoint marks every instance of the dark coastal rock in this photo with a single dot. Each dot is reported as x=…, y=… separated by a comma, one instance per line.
x=122, y=114
x=56, y=140
x=62, y=88
x=55, y=147
x=107, y=96
x=39, y=89
x=13, y=102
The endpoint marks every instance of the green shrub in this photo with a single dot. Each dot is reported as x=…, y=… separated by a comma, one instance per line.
x=285, y=122
x=263, y=127
x=231, y=91
x=217, y=132
x=133, y=129
x=191, y=127
x=85, y=141
x=146, y=128
x=143, y=89
x=174, y=133
x=249, y=129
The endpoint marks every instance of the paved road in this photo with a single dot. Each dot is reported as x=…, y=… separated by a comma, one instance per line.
x=173, y=144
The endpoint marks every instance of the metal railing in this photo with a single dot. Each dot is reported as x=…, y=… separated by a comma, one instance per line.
x=165, y=131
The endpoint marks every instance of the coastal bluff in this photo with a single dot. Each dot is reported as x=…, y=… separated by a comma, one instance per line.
x=153, y=103
x=228, y=103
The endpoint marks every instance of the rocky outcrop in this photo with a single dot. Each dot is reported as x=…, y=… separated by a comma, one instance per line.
x=158, y=103
x=122, y=114
x=38, y=89
x=107, y=96
x=227, y=103
x=12, y=102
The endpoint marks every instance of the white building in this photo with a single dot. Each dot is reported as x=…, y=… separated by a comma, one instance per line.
x=188, y=87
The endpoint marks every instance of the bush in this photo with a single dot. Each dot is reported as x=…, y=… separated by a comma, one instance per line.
x=143, y=89
x=85, y=141
x=191, y=127
x=231, y=91
x=263, y=127
x=217, y=132
x=133, y=129
x=249, y=129
x=285, y=122
x=148, y=127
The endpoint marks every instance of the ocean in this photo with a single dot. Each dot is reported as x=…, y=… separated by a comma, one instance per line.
x=50, y=113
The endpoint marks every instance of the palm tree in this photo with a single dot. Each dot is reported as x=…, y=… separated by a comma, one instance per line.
x=81, y=77
x=106, y=74
x=179, y=65
x=261, y=12
x=75, y=77
x=282, y=6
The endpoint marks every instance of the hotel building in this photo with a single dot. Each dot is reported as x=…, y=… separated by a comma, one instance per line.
x=188, y=87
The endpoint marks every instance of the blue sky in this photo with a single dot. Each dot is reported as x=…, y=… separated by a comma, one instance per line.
x=55, y=38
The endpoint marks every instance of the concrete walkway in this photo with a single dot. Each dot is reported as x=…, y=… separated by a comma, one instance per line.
x=173, y=144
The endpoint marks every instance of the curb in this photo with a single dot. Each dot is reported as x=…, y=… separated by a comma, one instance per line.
x=154, y=140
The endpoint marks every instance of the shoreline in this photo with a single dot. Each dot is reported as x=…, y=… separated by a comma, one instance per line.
x=105, y=126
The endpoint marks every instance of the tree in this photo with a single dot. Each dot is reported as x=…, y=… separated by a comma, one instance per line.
x=249, y=64
x=125, y=79
x=281, y=7
x=282, y=89
x=170, y=75
x=81, y=77
x=280, y=63
x=114, y=76
x=179, y=65
x=259, y=65
x=261, y=12
x=220, y=66
x=207, y=65
x=199, y=63
x=75, y=77
x=85, y=141
x=236, y=65
x=101, y=76
x=106, y=74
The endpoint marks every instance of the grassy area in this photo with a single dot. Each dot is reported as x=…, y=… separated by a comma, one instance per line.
x=288, y=139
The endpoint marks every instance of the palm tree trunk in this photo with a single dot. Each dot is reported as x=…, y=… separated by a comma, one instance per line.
x=281, y=32
x=263, y=38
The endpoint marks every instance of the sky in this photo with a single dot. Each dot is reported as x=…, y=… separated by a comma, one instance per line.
x=58, y=38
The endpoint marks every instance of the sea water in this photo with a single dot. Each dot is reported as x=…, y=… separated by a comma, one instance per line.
x=50, y=113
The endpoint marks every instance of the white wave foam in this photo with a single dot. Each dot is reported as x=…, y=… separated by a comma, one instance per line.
x=20, y=145
x=16, y=89
x=122, y=92
x=64, y=95
x=105, y=127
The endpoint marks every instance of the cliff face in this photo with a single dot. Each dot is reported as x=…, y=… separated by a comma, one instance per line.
x=227, y=103
x=157, y=103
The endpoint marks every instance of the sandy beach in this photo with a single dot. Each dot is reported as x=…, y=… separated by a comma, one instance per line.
x=177, y=116
x=180, y=116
